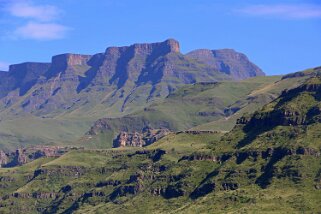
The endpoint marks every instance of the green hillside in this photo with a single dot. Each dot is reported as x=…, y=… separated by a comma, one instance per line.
x=189, y=106
x=201, y=106
x=268, y=163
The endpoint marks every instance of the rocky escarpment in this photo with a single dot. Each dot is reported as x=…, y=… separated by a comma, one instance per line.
x=298, y=106
x=24, y=155
x=241, y=156
x=125, y=139
x=139, y=139
x=21, y=77
x=197, y=132
x=227, y=61
x=113, y=78
x=66, y=62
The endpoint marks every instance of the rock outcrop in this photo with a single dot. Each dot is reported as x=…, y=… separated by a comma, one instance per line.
x=125, y=139
x=139, y=139
x=24, y=155
x=66, y=62
x=20, y=157
x=3, y=158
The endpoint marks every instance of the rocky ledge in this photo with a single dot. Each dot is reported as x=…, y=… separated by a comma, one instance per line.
x=24, y=155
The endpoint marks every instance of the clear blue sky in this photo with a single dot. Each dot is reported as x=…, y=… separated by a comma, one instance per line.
x=279, y=36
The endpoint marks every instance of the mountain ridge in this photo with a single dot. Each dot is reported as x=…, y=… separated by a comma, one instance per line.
x=156, y=67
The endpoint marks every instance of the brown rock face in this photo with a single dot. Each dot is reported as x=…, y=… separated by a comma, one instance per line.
x=125, y=139
x=61, y=63
x=136, y=139
x=24, y=155
x=174, y=45
x=3, y=158
x=21, y=157
x=64, y=60
x=161, y=48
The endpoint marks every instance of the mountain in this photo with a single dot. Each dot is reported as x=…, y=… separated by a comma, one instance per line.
x=114, y=78
x=227, y=61
x=268, y=163
x=70, y=93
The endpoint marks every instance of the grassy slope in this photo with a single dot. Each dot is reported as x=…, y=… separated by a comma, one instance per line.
x=285, y=194
x=275, y=184
x=180, y=110
x=33, y=130
x=253, y=101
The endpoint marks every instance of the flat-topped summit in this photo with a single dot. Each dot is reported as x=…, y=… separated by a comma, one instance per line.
x=165, y=47
x=27, y=68
x=69, y=59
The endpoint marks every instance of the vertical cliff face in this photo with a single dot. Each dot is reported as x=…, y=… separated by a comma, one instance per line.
x=64, y=62
x=28, y=71
x=5, y=85
x=133, y=63
x=57, y=85
x=21, y=76
x=227, y=61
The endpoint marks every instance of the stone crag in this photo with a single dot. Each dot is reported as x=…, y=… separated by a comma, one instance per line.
x=139, y=139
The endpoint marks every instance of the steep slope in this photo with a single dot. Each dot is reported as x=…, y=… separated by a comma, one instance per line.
x=292, y=120
x=21, y=77
x=228, y=61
